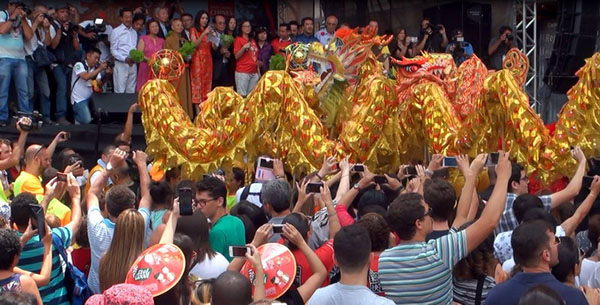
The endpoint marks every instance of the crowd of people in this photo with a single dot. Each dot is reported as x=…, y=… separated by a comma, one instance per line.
x=414, y=236
x=57, y=61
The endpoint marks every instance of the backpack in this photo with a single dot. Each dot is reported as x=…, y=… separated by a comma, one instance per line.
x=75, y=280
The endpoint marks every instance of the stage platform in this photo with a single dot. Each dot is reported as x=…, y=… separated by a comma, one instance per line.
x=87, y=140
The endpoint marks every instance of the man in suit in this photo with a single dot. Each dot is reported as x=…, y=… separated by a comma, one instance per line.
x=188, y=22
x=162, y=15
x=222, y=58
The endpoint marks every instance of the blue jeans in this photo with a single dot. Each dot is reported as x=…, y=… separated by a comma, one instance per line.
x=17, y=69
x=81, y=111
x=37, y=82
x=62, y=75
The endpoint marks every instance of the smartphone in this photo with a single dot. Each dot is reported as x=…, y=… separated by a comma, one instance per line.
x=380, y=179
x=358, y=168
x=61, y=177
x=67, y=135
x=410, y=171
x=185, y=201
x=277, y=229
x=264, y=170
x=414, y=39
x=37, y=219
x=239, y=251
x=587, y=181
x=314, y=187
x=449, y=162
x=492, y=159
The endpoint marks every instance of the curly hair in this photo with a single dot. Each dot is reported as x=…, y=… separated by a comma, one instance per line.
x=378, y=231
x=11, y=248
x=477, y=263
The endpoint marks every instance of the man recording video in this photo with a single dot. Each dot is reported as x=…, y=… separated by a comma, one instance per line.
x=432, y=37
x=459, y=48
x=499, y=46
x=84, y=74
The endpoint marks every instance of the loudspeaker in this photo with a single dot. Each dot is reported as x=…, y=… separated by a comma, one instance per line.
x=574, y=41
x=113, y=106
x=475, y=20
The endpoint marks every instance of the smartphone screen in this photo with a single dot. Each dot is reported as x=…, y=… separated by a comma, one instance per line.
x=410, y=171
x=266, y=163
x=587, y=181
x=449, y=162
x=314, y=187
x=37, y=219
x=358, y=168
x=185, y=201
x=493, y=159
x=380, y=179
x=277, y=229
x=238, y=251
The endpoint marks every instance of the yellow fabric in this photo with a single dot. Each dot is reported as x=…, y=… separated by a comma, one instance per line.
x=60, y=210
x=95, y=169
x=29, y=183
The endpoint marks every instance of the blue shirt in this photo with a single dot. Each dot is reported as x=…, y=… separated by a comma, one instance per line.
x=31, y=259
x=305, y=39
x=509, y=292
x=467, y=53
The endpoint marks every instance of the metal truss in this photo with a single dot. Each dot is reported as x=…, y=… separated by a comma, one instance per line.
x=525, y=19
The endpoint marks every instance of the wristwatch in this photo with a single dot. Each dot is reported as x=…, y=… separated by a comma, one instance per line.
x=109, y=167
x=356, y=186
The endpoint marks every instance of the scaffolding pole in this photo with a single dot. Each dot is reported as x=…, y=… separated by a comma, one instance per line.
x=526, y=36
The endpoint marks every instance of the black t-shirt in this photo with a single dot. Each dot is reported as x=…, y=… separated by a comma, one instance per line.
x=436, y=234
x=291, y=297
x=433, y=43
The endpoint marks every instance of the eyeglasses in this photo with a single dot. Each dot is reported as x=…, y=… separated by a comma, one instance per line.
x=428, y=213
x=203, y=202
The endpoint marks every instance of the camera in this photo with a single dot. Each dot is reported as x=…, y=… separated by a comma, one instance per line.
x=37, y=120
x=110, y=64
x=510, y=37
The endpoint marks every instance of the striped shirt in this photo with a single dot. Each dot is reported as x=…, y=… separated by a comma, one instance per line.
x=31, y=259
x=421, y=273
x=508, y=221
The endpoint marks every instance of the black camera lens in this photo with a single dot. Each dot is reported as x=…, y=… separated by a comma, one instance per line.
x=510, y=37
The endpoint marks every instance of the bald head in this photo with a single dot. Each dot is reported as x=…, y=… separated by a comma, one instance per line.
x=331, y=24
x=32, y=151
x=232, y=281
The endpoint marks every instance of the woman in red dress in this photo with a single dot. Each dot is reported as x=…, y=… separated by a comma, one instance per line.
x=201, y=65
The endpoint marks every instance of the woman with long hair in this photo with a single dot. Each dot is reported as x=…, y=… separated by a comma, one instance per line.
x=126, y=245
x=148, y=44
x=401, y=45
x=478, y=266
x=246, y=56
x=201, y=65
x=183, y=86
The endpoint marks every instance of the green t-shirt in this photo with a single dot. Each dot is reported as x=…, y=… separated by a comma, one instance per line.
x=227, y=231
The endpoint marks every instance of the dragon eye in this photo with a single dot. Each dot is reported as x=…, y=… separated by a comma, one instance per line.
x=413, y=68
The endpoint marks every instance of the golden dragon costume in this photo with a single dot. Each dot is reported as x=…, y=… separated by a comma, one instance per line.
x=334, y=100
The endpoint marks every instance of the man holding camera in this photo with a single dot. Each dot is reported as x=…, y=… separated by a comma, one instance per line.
x=84, y=73
x=13, y=33
x=459, y=48
x=433, y=38
x=65, y=47
x=38, y=60
x=499, y=46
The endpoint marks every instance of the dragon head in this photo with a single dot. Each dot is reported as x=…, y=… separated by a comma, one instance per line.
x=439, y=68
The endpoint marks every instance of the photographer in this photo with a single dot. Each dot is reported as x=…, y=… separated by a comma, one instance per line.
x=65, y=47
x=94, y=33
x=459, y=48
x=84, y=73
x=432, y=37
x=13, y=33
x=38, y=59
x=499, y=46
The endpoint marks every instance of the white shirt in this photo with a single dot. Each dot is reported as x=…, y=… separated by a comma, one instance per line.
x=253, y=194
x=122, y=40
x=588, y=272
x=105, y=56
x=210, y=268
x=323, y=36
x=32, y=45
x=82, y=89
